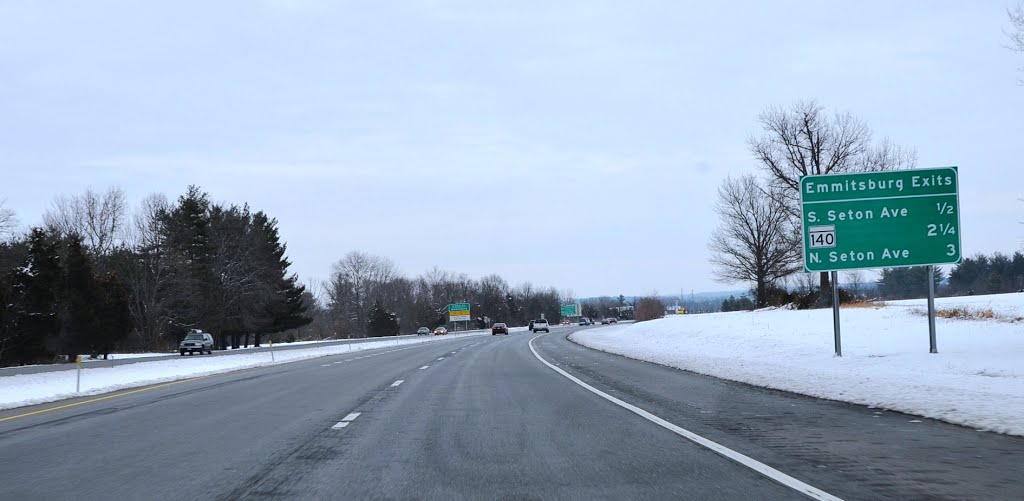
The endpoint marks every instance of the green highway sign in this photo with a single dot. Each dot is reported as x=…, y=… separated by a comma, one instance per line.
x=458, y=312
x=883, y=219
x=570, y=310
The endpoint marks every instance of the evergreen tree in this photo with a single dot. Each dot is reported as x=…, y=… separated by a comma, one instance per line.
x=188, y=251
x=382, y=322
x=907, y=283
x=113, y=317
x=80, y=296
x=37, y=282
x=284, y=307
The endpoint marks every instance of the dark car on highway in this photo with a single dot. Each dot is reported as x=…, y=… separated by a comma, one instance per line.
x=499, y=328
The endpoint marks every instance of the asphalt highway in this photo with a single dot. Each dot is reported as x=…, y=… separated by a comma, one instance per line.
x=484, y=417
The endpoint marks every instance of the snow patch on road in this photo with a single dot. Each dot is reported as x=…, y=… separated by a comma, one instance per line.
x=976, y=379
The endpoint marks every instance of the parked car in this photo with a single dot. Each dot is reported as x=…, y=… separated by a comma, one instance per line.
x=539, y=325
x=613, y=320
x=440, y=331
x=586, y=321
x=499, y=328
x=604, y=321
x=423, y=331
x=196, y=341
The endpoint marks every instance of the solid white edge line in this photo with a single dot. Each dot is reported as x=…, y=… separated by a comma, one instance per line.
x=351, y=416
x=747, y=461
x=340, y=425
x=396, y=383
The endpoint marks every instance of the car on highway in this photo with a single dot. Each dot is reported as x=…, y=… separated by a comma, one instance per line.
x=586, y=321
x=440, y=331
x=423, y=331
x=499, y=328
x=196, y=341
x=539, y=325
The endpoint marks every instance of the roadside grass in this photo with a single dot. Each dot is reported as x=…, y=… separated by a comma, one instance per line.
x=965, y=313
x=864, y=304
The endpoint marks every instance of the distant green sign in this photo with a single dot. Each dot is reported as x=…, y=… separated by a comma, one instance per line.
x=570, y=310
x=458, y=312
x=880, y=219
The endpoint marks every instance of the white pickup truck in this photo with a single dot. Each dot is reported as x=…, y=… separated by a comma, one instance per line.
x=539, y=325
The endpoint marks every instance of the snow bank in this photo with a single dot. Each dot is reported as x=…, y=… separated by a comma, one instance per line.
x=976, y=379
x=28, y=389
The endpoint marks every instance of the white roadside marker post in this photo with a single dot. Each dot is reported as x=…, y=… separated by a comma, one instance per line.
x=271, y=350
x=78, y=377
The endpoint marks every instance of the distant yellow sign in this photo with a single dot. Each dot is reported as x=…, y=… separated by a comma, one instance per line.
x=458, y=312
x=681, y=311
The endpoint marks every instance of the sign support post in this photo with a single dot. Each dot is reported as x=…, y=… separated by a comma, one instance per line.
x=932, y=348
x=835, y=313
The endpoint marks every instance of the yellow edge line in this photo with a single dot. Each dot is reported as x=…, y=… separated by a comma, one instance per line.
x=108, y=397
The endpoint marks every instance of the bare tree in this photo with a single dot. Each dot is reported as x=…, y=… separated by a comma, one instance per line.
x=357, y=280
x=804, y=140
x=98, y=218
x=1016, y=36
x=856, y=280
x=567, y=296
x=145, y=270
x=649, y=308
x=753, y=242
x=8, y=222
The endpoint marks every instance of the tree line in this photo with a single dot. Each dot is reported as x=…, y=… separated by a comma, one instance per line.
x=366, y=295
x=997, y=273
x=95, y=276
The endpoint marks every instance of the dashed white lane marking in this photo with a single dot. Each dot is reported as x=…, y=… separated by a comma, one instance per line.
x=349, y=359
x=440, y=358
x=345, y=421
x=325, y=365
x=340, y=362
x=749, y=462
x=454, y=352
x=396, y=383
x=424, y=367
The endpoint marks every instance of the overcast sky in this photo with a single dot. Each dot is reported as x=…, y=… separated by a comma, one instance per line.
x=574, y=144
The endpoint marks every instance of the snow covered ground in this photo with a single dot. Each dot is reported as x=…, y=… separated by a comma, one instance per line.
x=29, y=389
x=976, y=379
